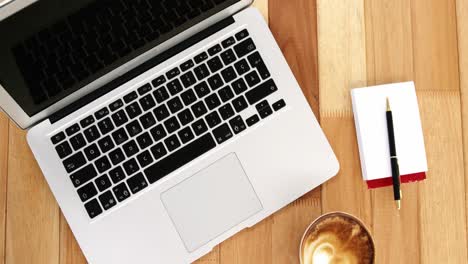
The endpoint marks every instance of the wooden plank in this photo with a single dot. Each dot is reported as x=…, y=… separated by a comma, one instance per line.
x=462, y=24
x=442, y=211
x=341, y=52
x=70, y=252
x=390, y=59
x=32, y=233
x=4, y=123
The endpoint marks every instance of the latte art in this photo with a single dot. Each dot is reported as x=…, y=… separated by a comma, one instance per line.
x=337, y=240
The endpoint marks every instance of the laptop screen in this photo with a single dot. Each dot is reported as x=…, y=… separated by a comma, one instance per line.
x=52, y=48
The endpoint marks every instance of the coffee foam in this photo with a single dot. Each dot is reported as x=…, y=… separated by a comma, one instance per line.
x=338, y=240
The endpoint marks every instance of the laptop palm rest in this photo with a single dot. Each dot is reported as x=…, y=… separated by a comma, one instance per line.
x=211, y=202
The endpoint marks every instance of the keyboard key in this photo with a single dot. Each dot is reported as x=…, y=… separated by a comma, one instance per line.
x=242, y=67
x=201, y=57
x=213, y=119
x=215, y=49
x=257, y=62
x=202, y=89
x=174, y=87
x=161, y=113
x=147, y=120
x=144, y=89
x=215, y=64
x=116, y=105
x=92, y=152
x=215, y=82
x=130, y=97
x=131, y=167
x=72, y=130
x=188, y=97
x=252, y=78
x=175, y=105
x=180, y=158
x=119, y=118
x=144, y=140
x=239, y=86
x=121, y=192
x=74, y=162
x=244, y=48
x=226, y=111
x=158, y=151
x=252, y=120
x=225, y=94
x=77, y=142
x=279, y=104
x=137, y=183
x=101, y=113
x=87, y=121
x=92, y=134
x=133, y=110
x=228, y=42
x=222, y=133
x=187, y=65
x=133, y=128
x=228, y=74
x=237, y=124
x=107, y=200
x=186, y=135
x=158, y=81
x=161, y=95
x=172, y=142
x=63, y=150
x=158, y=133
x=228, y=57
x=103, y=183
x=172, y=73
x=171, y=125
x=116, y=156
x=188, y=79
x=239, y=103
x=212, y=101
x=144, y=159
x=87, y=192
x=58, y=138
x=185, y=117
x=106, y=144
x=93, y=208
x=264, y=109
x=242, y=35
x=261, y=91
x=103, y=164
x=199, y=109
x=201, y=72
x=83, y=175
x=130, y=148
x=147, y=102
x=106, y=126
x=199, y=127
x=117, y=175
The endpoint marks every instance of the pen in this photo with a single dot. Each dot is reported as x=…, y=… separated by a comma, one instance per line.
x=393, y=157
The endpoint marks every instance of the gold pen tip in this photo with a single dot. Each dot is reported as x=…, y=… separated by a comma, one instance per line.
x=388, y=105
x=398, y=202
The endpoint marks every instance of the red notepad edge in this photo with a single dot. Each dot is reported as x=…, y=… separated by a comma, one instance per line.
x=377, y=183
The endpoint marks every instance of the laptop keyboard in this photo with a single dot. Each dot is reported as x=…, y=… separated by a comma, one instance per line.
x=161, y=126
x=96, y=36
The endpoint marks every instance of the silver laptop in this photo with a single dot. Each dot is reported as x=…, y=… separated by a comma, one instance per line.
x=162, y=127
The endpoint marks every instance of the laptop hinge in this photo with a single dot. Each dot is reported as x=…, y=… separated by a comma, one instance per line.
x=149, y=64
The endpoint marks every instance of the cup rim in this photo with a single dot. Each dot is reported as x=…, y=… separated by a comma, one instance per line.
x=326, y=215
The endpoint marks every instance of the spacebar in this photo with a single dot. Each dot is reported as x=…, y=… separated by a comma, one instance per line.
x=180, y=158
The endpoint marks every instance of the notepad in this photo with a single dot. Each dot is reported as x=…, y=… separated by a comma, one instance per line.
x=369, y=107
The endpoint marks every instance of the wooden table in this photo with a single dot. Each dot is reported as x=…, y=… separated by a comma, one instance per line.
x=332, y=46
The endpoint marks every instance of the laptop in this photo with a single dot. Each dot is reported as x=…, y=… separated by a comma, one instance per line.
x=162, y=127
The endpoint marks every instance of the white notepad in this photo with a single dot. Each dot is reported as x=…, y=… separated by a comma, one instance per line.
x=369, y=107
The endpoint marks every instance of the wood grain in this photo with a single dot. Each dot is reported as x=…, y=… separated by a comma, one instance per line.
x=32, y=233
x=70, y=252
x=4, y=124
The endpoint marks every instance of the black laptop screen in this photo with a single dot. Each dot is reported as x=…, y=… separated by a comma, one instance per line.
x=54, y=47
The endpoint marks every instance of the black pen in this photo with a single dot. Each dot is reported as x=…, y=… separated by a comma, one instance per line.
x=393, y=157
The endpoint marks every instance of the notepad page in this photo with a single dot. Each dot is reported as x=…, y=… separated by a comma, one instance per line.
x=369, y=107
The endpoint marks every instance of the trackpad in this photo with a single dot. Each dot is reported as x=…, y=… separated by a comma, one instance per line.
x=211, y=202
